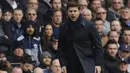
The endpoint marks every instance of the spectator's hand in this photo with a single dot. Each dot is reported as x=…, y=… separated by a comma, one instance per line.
x=64, y=69
x=97, y=69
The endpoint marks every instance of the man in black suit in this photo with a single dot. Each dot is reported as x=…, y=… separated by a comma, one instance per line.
x=80, y=44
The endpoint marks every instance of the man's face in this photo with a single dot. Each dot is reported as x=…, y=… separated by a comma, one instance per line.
x=47, y=60
x=95, y=4
x=125, y=54
x=56, y=68
x=56, y=4
x=87, y=15
x=114, y=36
x=30, y=30
x=31, y=15
x=117, y=4
x=73, y=13
x=125, y=14
x=123, y=67
x=18, y=52
x=115, y=25
x=112, y=50
x=18, y=15
x=126, y=36
x=7, y=16
x=33, y=4
x=99, y=25
x=27, y=67
x=57, y=17
x=101, y=13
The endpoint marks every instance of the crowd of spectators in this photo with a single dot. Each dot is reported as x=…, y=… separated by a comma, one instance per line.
x=29, y=32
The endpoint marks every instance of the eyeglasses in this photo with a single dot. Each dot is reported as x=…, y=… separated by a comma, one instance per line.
x=117, y=2
x=31, y=14
x=101, y=13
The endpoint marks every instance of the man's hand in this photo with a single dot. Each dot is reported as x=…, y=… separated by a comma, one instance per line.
x=64, y=69
x=97, y=69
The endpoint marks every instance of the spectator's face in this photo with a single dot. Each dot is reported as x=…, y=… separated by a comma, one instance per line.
x=125, y=54
x=125, y=14
x=31, y=15
x=18, y=15
x=126, y=36
x=7, y=16
x=57, y=17
x=27, y=67
x=73, y=13
x=115, y=25
x=18, y=52
x=47, y=60
x=30, y=30
x=56, y=4
x=112, y=50
x=99, y=25
x=87, y=15
x=56, y=68
x=114, y=36
x=101, y=13
x=3, y=57
x=123, y=67
x=33, y=4
x=117, y=4
x=96, y=4
x=48, y=30
x=83, y=4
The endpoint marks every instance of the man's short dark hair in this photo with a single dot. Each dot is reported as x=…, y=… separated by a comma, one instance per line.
x=110, y=42
x=72, y=4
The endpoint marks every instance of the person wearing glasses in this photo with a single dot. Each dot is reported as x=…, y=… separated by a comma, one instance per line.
x=113, y=11
x=102, y=13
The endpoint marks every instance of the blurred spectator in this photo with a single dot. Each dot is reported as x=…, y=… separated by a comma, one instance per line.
x=7, y=15
x=16, y=25
x=30, y=41
x=17, y=70
x=123, y=66
x=125, y=17
x=83, y=4
x=47, y=35
x=124, y=53
x=28, y=65
x=87, y=14
x=102, y=13
x=94, y=5
x=56, y=22
x=38, y=70
x=114, y=35
x=31, y=14
x=45, y=60
x=114, y=10
x=115, y=25
x=126, y=37
x=110, y=57
x=56, y=5
x=99, y=25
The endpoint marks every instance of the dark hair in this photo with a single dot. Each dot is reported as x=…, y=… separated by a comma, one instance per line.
x=19, y=9
x=72, y=4
x=57, y=10
x=127, y=28
x=97, y=19
x=110, y=42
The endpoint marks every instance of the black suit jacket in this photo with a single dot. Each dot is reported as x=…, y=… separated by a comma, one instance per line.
x=80, y=39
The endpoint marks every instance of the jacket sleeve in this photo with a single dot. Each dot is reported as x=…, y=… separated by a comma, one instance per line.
x=97, y=47
x=62, y=46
